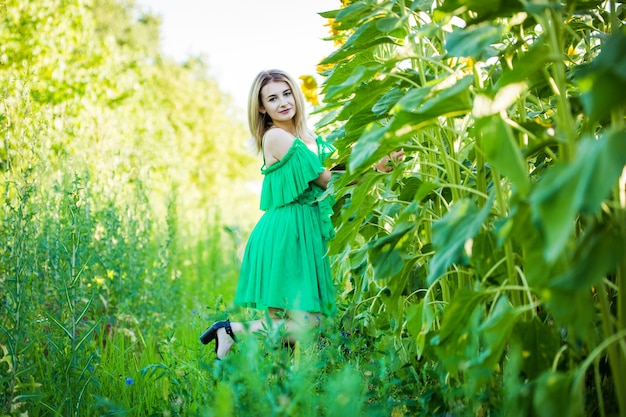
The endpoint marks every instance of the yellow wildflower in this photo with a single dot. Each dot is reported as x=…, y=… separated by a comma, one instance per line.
x=309, y=89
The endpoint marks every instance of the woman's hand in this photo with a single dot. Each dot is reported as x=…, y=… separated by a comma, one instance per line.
x=387, y=162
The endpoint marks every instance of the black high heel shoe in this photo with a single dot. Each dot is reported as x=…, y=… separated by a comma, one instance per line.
x=210, y=334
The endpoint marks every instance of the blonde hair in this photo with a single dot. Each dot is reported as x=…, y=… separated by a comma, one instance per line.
x=259, y=123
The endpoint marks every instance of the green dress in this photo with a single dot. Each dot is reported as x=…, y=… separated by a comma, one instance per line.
x=285, y=264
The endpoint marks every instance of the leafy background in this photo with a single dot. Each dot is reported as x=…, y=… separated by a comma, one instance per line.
x=482, y=276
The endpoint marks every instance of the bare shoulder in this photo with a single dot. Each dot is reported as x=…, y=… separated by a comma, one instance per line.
x=277, y=143
x=278, y=137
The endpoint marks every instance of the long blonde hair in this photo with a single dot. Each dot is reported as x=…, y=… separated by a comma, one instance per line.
x=259, y=123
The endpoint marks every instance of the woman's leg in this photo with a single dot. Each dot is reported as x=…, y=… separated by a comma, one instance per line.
x=294, y=322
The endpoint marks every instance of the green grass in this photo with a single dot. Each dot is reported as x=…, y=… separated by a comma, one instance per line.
x=102, y=313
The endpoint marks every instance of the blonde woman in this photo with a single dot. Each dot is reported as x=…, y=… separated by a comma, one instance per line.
x=284, y=270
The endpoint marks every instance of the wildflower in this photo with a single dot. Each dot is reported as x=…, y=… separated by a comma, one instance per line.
x=571, y=51
x=129, y=381
x=309, y=88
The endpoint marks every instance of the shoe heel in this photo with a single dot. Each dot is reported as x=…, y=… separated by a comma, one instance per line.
x=208, y=335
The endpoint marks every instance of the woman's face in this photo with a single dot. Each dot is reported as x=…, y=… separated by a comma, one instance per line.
x=278, y=101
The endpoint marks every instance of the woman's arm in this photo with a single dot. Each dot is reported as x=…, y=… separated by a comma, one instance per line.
x=323, y=179
x=386, y=164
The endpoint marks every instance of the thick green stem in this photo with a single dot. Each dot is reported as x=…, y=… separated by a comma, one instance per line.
x=617, y=360
x=618, y=367
x=416, y=63
x=552, y=26
x=614, y=20
x=481, y=173
x=445, y=290
x=513, y=278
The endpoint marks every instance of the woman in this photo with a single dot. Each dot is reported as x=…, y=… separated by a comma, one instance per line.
x=284, y=270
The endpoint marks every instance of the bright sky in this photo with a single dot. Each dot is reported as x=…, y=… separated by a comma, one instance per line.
x=240, y=38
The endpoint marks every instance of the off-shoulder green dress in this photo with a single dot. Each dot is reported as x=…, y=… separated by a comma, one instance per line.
x=285, y=264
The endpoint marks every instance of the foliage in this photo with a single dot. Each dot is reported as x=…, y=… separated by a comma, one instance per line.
x=482, y=276
x=494, y=254
x=113, y=159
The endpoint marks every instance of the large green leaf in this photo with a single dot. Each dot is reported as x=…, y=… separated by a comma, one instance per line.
x=344, y=70
x=458, y=340
x=366, y=97
x=414, y=317
x=423, y=106
x=485, y=254
x=496, y=328
x=358, y=125
x=367, y=146
x=528, y=67
x=384, y=254
x=426, y=189
x=488, y=104
x=602, y=79
x=410, y=187
x=494, y=336
x=359, y=74
x=388, y=100
x=442, y=97
x=579, y=320
x=553, y=396
x=355, y=13
x=366, y=36
x=482, y=9
x=582, y=185
x=539, y=344
x=502, y=151
x=596, y=255
x=451, y=233
x=475, y=41
x=356, y=209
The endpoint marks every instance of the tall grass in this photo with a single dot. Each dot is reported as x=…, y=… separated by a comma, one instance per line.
x=103, y=304
x=116, y=242
x=104, y=295
x=93, y=297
